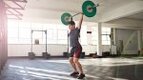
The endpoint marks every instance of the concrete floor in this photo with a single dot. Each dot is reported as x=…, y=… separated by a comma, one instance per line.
x=59, y=69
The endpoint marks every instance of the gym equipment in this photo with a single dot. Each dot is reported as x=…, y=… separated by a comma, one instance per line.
x=82, y=55
x=66, y=54
x=44, y=54
x=31, y=55
x=37, y=41
x=88, y=9
x=65, y=18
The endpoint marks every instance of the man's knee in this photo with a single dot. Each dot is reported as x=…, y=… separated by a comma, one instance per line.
x=75, y=60
x=71, y=60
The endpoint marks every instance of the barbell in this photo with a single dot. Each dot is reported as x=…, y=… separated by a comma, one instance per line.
x=88, y=9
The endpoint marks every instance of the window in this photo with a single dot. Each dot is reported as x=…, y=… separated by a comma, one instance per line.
x=12, y=32
x=62, y=36
x=94, y=35
x=20, y=33
x=24, y=33
x=105, y=35
x=83, y=35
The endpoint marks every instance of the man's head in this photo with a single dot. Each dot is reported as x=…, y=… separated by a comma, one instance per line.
x=71, y=25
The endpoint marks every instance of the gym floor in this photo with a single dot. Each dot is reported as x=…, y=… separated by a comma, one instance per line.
x=59, y=69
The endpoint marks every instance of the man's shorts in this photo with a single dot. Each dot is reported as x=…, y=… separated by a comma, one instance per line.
x=76, y=51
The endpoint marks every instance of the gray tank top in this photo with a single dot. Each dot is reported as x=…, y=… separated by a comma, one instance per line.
x=74, y=37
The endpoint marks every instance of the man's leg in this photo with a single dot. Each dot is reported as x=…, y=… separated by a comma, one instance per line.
x=75, y=72
x=76, y=57
x=72, y=64
x=78, y=65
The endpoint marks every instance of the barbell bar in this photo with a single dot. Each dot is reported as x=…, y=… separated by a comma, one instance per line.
x=88, y=9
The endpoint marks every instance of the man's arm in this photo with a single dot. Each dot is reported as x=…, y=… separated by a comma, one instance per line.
x=80, y=22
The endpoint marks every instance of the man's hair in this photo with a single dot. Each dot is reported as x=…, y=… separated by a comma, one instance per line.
x=71, y=23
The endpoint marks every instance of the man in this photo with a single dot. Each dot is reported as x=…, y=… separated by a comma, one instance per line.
x=76, y=49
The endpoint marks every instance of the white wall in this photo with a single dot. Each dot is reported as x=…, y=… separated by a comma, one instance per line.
x=22, y=50
x=54, y=50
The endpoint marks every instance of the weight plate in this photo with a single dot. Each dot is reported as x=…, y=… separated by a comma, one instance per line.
x=89, y=9
x=65, y=18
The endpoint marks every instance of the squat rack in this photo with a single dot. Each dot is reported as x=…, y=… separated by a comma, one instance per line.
x=32, y=38
x=44, y=54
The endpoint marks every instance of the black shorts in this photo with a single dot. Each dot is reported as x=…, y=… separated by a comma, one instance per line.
x=76, y=51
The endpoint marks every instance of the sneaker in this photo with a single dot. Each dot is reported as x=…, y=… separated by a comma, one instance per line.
x=81, y=76
x=74, y=74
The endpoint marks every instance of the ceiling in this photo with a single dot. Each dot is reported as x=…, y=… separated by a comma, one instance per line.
x=53, y=9
x=74, y=5
x=15, y=8
x=138, y=16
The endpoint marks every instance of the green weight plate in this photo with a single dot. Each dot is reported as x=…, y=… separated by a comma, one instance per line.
x=89, y=9
x=65, y=18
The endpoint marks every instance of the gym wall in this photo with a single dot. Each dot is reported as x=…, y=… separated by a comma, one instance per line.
x=15, y=50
